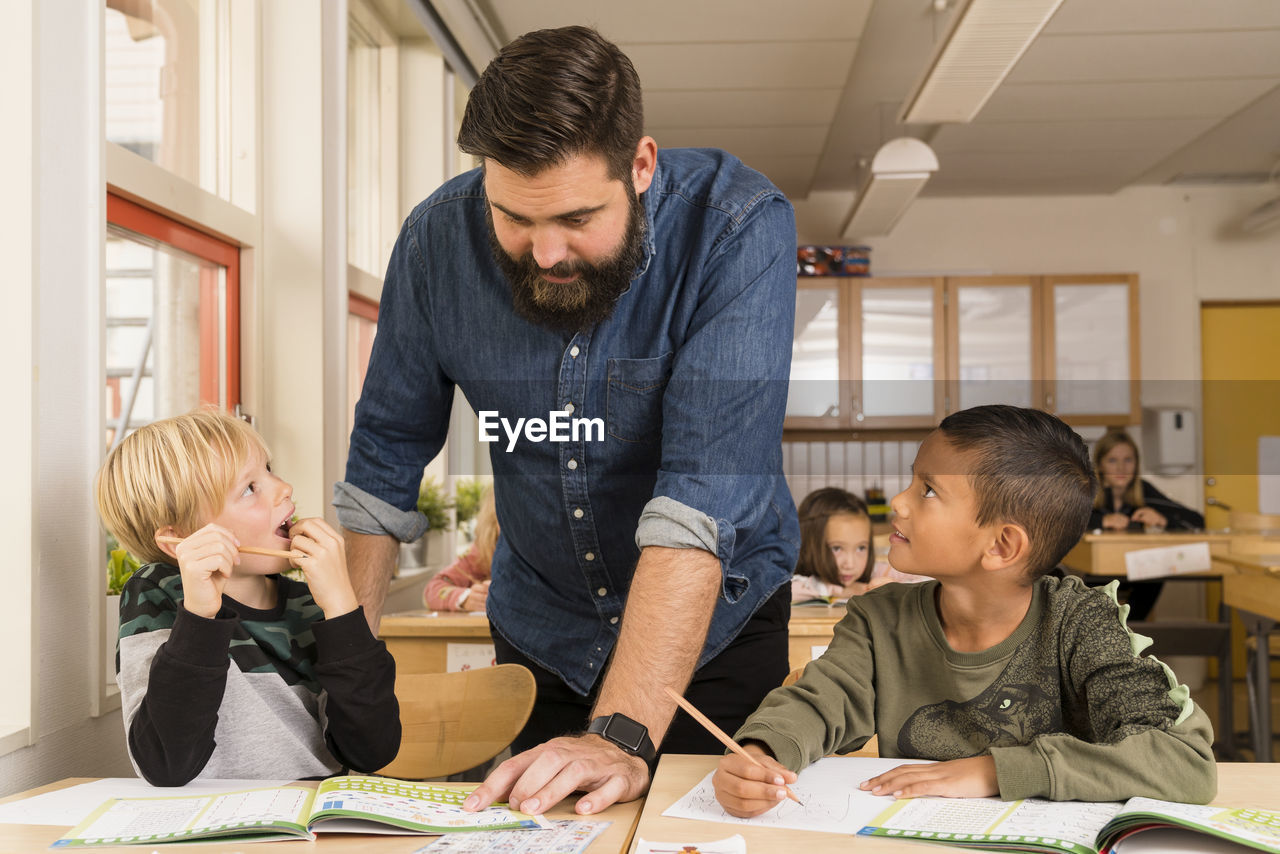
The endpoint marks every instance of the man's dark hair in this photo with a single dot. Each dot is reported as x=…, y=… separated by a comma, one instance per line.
x=1031, y=469
x=554, y=94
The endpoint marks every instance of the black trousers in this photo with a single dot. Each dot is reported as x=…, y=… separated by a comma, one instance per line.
x=726, y=689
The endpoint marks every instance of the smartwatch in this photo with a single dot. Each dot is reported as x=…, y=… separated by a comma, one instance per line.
x=631, y=736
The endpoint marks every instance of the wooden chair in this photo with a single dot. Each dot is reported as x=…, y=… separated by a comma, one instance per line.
x=455, y=721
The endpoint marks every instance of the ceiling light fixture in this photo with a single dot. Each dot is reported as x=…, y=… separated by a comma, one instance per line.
x=897, y=174
x=983, y=44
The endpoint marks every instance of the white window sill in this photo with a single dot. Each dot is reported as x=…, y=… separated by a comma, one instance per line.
x=13, y=738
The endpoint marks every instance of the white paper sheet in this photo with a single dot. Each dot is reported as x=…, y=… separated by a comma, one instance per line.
x=829, y=788
x=67, y=807
x=1141, y=564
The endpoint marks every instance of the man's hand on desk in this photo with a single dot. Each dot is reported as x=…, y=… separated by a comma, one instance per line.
x=538, y=779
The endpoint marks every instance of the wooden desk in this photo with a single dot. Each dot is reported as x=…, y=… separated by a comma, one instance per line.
x=1255, y=593
x=1103, y=553
x=1240, y=784
x=419, y=643
x=810, y=626
x=419, y=640
x=38, y=837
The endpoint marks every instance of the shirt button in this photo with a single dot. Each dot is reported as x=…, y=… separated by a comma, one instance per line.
x=577, y=512
x=573, y=351
x=568, y=407
x=590, y=555
x=602, y=591
x=613, y=621
x=572, y=464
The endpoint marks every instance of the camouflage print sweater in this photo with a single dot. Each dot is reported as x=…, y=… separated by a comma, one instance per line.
x=1066, y=705
x=278, y=694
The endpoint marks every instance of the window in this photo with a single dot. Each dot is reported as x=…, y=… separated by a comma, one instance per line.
x=167, y=85
x=362, y=326
x=172, y=319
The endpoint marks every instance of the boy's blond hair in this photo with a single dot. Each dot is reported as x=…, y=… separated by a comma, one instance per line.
x=172, y=472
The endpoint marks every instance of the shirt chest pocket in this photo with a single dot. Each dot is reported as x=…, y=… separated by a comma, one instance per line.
x=633, y=410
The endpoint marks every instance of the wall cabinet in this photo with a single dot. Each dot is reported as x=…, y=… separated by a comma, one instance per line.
x=902, y=353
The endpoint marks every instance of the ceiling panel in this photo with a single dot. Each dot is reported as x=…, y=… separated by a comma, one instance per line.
x=1113, y=92
x=795, y=140
x=1034, y=173
x=1158, y=136
x=765, y=65
x=711, y=108
x=1160, y=99
x=789, y=173
x=1156, y=16
x=1150, y=56
x=1249, y=141
x=674, y=21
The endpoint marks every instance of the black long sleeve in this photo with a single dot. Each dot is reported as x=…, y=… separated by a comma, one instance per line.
x=359, y=677
x=171, y=736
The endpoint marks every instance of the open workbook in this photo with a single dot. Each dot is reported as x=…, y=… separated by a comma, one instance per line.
x=340, y=804
x=1073, y=827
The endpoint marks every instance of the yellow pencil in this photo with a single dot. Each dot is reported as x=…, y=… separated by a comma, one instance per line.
x=249, y=550
x=724, y=739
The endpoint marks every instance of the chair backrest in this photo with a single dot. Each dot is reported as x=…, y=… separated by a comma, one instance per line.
x=1254, y=522
x=454, y=721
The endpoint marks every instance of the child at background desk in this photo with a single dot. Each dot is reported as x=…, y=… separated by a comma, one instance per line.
x=227, y=668
x=1021, y=684
x=837, y=557
x=464, y=584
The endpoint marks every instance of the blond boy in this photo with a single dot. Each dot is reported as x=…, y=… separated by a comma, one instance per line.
x=226, y=667
x=1020, y=684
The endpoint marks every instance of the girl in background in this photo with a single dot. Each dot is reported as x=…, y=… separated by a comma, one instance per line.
x=836, y=558
x=464, y=584
x=1126, y=501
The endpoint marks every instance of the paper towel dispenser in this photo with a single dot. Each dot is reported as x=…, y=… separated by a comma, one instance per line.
x=1168, y=439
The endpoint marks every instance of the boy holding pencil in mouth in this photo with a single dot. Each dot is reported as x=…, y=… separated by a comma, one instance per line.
x=226, y=667
x=1017, y=683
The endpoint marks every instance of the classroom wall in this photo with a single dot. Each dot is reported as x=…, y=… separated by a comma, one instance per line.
x=1179, y=241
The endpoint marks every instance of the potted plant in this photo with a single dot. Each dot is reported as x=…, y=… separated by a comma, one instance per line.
x=468, y=494
x=435, y=504
x=120, y=565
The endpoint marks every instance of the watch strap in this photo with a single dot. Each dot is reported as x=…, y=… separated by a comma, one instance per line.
x=629, y=735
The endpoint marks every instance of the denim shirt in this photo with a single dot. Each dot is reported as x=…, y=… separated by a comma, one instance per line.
x=687, y=382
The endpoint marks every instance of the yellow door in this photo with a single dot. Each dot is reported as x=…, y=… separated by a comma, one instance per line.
x=1240, y=364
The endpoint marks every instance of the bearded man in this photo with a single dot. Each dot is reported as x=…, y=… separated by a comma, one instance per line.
x=583, y=272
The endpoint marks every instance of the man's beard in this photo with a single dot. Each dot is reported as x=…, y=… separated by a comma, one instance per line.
x=587, y=300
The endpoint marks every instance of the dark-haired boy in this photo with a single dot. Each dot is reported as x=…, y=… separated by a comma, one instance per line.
x=1020, y=684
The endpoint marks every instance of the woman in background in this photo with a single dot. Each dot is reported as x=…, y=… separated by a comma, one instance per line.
x=1127, y=502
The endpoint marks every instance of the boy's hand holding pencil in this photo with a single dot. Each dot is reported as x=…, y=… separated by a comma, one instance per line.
x=752, y=780
x=205, y=560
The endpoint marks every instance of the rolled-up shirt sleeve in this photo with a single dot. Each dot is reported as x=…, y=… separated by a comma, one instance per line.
x=724, y=404
x=363, y=513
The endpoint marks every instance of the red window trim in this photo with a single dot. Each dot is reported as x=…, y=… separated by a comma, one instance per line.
x=140, y=220
x=362, y=306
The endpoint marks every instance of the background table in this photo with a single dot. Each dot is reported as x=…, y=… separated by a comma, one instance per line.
x=38, y=837
x=1240, y=784
x=419, y=640
x=1255, y=594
